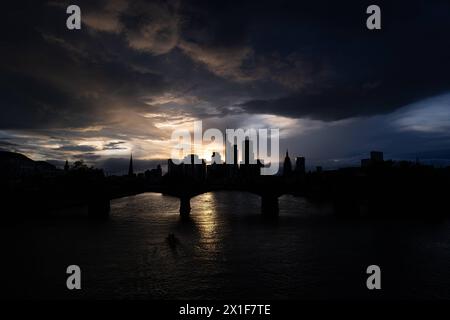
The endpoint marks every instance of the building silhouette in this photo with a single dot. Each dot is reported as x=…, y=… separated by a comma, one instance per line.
x=246, y=151
x=154, y=175
x=250, y=167
x=216, y=158
x=287, y=165
x=130, y=167
x=231, y=166
x=191, y=167
x=376, y=157
x=174, y=170
x=300, y=167
x=217, y=170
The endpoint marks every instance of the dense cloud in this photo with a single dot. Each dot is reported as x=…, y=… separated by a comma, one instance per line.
x=81, y=148
x=340, y=101
x=138, y=69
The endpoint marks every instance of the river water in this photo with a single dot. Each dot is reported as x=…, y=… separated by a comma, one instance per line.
x=226, y=249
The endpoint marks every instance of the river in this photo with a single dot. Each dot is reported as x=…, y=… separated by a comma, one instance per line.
x=226, y=249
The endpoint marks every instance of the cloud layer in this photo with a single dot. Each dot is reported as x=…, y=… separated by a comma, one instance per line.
x=138, y=69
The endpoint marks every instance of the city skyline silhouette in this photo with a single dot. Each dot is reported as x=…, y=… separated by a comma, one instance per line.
x=203, y=155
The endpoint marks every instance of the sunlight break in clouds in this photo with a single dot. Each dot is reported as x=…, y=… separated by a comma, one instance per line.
x=430, y=115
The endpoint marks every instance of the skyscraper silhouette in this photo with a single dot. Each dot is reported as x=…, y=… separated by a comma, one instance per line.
x=287, y=166
x=247, y=151
x=300, y=165
x=249, y=155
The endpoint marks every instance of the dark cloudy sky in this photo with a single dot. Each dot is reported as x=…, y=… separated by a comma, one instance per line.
x=139, y=69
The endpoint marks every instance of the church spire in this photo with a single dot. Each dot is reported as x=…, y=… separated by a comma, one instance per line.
x=130, y=166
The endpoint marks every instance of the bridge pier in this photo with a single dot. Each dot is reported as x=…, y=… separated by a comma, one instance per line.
x=185, y=205
x=269, y=205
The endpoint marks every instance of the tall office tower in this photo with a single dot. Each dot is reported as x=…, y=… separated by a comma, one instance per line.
x=249, y=155
x=300, y=165
x=231, y=153
x=376, y=156
x=246, y=151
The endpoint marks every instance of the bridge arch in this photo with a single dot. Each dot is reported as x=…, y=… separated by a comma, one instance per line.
x=269, y=197
x=269, y=201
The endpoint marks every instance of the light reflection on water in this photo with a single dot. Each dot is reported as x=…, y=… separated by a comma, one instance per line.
x=208, y=223
x=226, y=249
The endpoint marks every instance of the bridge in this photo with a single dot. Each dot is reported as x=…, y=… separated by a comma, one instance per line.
x=269, y=188
x=383, y=189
